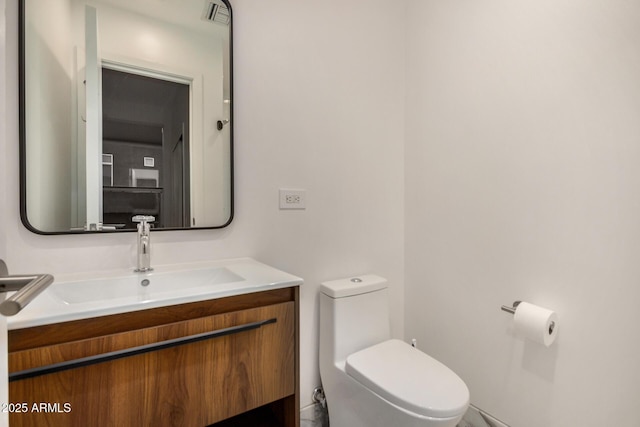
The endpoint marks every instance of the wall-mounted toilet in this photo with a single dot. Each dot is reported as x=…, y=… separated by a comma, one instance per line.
x=371, y=380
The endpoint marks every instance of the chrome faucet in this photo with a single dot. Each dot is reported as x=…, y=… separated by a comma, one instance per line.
x=27, y=286
x=144, y=242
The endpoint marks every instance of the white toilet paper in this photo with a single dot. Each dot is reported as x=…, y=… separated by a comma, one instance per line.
x=536, y=323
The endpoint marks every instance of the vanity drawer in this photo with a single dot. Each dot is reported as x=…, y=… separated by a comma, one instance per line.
x=189, y=373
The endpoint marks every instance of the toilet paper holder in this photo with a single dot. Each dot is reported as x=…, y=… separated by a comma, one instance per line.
x=512, y=309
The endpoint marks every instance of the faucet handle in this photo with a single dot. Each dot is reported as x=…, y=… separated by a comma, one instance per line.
x=143, y=218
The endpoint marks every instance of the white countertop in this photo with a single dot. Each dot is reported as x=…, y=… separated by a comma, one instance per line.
x=49, y=307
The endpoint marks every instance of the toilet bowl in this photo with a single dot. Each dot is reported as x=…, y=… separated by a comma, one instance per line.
x=371, y=380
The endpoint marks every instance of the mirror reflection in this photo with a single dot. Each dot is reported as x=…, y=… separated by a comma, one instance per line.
x=125, y=110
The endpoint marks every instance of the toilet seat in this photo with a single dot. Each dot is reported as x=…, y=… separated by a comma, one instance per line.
x=409, y=379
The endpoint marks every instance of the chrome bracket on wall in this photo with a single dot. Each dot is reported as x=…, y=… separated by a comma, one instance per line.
x=512, y=309
x=27, y=287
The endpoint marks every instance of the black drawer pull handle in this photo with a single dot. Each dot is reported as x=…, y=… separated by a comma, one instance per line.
x=133, y=351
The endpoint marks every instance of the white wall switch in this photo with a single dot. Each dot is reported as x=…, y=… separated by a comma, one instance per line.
x=293, y=199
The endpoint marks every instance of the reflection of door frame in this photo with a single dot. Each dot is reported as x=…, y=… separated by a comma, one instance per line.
x=183, y=214
x=195, y=81
x=186, y=185
x=93, y=128
x=146, y=72
x=143, y=115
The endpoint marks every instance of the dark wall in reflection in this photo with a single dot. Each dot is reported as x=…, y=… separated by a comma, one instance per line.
x=146, y=148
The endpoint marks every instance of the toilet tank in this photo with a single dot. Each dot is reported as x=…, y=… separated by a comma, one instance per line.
x=354, y=315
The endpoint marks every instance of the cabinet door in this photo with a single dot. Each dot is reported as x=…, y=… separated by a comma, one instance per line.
x=193, y=383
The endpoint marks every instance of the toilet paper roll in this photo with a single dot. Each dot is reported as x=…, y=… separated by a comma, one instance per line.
x=536, y=323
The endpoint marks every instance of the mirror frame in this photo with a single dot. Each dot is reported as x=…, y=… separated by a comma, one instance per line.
x=23, y=146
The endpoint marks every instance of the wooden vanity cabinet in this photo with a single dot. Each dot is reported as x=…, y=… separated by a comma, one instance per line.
x=187, y=365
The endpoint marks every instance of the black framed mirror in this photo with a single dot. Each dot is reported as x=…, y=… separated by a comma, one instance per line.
x=126, y=108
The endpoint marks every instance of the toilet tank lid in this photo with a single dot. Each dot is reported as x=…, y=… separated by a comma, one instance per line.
x=410, y=379
x=353, y=286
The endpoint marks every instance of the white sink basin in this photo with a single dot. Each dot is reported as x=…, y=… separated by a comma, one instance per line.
x=142, y=287
x=82, y=295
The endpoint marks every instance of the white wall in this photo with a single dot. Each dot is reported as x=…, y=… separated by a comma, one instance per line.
x=4, y=384
x=49, y=71
x=318, y=106
x=3, y=128
x=522, y=182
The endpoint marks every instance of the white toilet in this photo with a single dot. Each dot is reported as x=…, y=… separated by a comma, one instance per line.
x=370, y=380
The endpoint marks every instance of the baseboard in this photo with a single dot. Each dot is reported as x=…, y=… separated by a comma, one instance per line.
x=476, y=417
x=316, y=416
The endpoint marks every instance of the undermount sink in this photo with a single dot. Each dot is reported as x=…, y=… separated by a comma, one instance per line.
x=141, y=287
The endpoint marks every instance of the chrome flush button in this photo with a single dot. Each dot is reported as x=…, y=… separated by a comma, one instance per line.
x=356, y=280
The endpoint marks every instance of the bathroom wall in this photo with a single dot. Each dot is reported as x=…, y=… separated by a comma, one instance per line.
x=522, y=182
x=3, y=129
x=51, y=172
x=4, y=384
x=318, y=106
